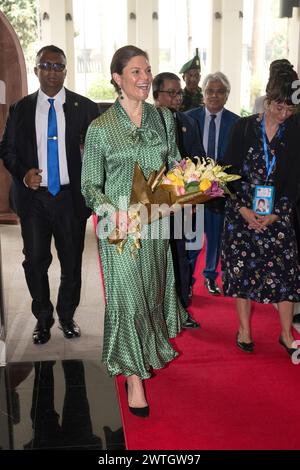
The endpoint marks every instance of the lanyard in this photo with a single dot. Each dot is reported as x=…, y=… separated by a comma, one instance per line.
x=271, y=165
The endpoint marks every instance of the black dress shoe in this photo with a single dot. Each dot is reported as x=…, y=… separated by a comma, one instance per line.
x=190, y=323
x=212, y=287
x=115, y=440
x=290, y=351
x=246, y=347
x=296, y=319
x=140, y=412
x=41, y=333
x=70, y=329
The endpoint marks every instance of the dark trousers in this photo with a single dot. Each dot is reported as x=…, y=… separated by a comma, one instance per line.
x=49, y=217
x=181, y=264
x=192, y=254
x=213, y=227
x=74, y=430
x=181, y=270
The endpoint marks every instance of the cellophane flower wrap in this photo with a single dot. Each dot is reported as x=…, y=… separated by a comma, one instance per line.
x=188, y=182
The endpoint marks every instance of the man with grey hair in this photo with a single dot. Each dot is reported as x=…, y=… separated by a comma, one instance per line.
x=215, y=123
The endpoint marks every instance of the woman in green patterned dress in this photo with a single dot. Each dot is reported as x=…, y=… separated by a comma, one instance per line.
x=142, y=310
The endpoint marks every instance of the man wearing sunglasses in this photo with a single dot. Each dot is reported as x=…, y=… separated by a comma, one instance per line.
x=167, y=92
x=42, y=149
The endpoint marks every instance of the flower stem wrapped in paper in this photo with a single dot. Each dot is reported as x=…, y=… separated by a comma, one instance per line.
x=186, y=183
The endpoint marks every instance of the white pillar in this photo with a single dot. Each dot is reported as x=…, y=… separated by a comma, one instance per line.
x=232, y=48
x=294, y=39
x=143, y=28
x=69, y=47
x=216, y=21
x=2, y=353
x=57, y=27
x=227, y=45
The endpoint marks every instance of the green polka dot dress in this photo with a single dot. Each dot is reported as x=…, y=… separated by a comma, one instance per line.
x=142, y=309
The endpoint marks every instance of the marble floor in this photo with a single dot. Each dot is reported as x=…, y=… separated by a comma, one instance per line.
x=56, y=395
x=68, y=404
x=17, y=305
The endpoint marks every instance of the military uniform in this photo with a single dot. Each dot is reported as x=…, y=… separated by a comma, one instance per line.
x=191, y=99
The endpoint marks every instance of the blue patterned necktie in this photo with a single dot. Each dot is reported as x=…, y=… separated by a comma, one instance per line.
x=52, y=151
x=211, y=144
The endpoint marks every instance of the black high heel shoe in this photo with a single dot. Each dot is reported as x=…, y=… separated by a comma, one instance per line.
x=290, y=351
x=246, y=347
x=140, y=412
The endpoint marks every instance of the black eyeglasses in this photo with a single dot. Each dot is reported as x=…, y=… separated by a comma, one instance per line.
x=218, y=92
x=57, y=67
x=172, y=93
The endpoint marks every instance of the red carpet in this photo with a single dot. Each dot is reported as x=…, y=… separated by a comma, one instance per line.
x=214, y=396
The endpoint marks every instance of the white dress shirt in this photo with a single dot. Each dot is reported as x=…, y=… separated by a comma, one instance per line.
x=206, y=129
x=41, y=126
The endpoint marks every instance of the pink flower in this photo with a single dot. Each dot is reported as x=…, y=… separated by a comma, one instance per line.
x=180, y=191
x=214, y=186
x=193, y=178
x=183, y=164
x=215, y=190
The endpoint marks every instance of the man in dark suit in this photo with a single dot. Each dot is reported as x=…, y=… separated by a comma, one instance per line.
x=42, y=149
x=215, y=124
x=167, y=92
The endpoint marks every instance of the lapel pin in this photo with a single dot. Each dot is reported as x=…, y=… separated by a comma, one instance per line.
x=183, y=129
x=75, y=104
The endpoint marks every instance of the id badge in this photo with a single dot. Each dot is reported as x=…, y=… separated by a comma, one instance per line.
x=263, y=201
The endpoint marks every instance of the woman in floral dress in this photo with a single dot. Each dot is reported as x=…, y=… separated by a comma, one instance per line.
x=259, y=253
x=142, y=310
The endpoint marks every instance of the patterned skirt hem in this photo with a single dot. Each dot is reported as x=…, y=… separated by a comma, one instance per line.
x=246, y=296
x=144, y=373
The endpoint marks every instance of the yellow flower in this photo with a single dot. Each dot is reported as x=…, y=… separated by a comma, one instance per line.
x=177, y=180
x=204, y=185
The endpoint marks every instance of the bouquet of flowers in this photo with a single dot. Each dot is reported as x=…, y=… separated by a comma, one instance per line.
x=203, y=177
x=185, y=183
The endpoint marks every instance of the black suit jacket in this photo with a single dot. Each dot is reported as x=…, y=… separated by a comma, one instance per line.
x=18, y=148
x=188, y=136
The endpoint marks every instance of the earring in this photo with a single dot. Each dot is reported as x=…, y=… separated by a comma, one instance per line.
x=120, y=94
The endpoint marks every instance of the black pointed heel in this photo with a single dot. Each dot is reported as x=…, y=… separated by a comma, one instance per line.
x=140, y=412
x=246, y=347
x=290, y=351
